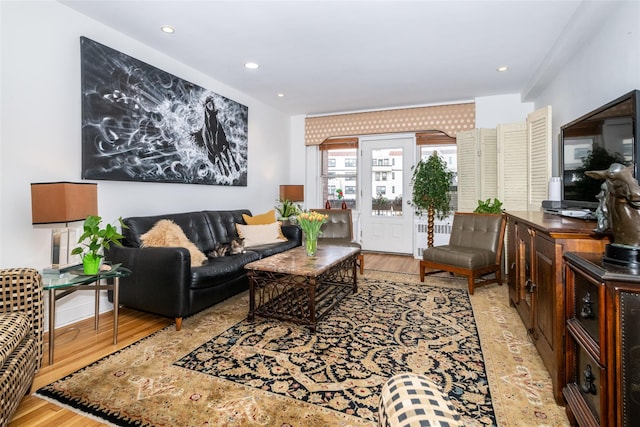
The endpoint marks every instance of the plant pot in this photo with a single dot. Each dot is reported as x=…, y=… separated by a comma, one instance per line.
x=91, y=264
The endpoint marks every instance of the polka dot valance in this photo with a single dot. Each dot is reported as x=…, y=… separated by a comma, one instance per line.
x=449, y=119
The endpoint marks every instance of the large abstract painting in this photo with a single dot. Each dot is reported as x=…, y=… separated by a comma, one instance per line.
x=140, y=123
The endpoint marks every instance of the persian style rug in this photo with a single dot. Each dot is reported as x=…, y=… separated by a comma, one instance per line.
x=223, y=370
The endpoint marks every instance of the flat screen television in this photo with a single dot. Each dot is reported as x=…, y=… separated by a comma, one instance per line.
x=606, y=135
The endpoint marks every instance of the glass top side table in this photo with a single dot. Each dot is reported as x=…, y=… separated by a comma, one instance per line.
x=61, y=285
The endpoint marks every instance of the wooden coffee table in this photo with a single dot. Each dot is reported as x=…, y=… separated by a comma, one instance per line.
x=294, y=287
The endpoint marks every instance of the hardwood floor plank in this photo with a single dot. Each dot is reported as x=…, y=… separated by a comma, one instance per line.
x=80, y=344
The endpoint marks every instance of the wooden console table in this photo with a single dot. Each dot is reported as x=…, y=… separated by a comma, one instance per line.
x=535, y=244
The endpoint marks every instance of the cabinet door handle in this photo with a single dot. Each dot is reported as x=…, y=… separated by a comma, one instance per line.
x=530, y=286
x=588, y=385
x=586, y=312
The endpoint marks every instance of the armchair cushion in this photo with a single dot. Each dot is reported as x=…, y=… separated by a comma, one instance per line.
x=338, y=225
x=21, y=326
x=412, y=400
x=14, y=327
x=460, y=256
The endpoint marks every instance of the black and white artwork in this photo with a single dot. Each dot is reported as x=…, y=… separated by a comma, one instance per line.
x=140, y=123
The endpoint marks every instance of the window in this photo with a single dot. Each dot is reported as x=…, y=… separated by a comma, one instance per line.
x=381, y=189
x=339, y=170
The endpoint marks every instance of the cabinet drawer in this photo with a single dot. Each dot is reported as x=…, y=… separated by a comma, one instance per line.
x=588, y=306
x=589, y=380
x=630, y=354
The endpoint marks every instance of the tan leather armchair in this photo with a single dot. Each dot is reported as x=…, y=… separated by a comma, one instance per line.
x=338, y=230
x=474, y=250
x=21, y=329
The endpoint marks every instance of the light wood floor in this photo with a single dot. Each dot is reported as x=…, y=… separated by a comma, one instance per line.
x=80, y=344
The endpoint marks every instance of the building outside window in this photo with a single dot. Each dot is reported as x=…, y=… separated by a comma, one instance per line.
x=340, y=171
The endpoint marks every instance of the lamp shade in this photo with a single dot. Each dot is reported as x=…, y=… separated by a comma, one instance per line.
x=56, y=202
x=293, y=193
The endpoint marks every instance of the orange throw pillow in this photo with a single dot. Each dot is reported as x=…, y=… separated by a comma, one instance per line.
x=265, y=218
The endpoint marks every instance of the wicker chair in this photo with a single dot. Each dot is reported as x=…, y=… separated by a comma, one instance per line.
x=21, y=329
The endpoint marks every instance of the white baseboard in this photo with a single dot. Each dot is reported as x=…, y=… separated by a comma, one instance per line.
x=75, y=307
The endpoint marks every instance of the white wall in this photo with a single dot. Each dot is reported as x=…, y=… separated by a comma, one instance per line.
x=603, y=68
x=40, y=136
x=492, y=111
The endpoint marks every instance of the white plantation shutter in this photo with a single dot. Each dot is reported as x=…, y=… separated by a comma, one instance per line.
x=513, y=166
x=467, y=177
x=539, y=142
x=477, y=167
x=488, y=164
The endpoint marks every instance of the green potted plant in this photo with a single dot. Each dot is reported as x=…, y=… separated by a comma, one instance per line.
x=93, y=240
x=431, y=182
x=493, y=206
x=287, y=210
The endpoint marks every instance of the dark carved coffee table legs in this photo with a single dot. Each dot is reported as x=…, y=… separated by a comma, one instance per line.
x=301, y=299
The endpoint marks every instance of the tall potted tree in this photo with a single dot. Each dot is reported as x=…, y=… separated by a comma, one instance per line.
x=431, y=183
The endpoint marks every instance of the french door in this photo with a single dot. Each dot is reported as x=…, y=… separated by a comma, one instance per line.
x=386, y=219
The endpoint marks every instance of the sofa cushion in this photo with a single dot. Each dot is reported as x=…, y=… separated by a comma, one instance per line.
x=196, y=225
x=263, y=234
x=221, y=268
x=166, y=233
x=274, y=248
x=265, y=218
x=14, y=327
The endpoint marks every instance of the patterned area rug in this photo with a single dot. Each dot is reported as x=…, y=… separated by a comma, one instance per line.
x=384, y=329
x=236, y=373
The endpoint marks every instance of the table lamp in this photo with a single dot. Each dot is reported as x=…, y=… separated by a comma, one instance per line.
x=56, y=204
x=293, y=193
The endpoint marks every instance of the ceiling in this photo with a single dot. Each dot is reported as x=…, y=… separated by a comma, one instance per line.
x=338, y=56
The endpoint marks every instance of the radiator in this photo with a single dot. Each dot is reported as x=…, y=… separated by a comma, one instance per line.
x=441, y=233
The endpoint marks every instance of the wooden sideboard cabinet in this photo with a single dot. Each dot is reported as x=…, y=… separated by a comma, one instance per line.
x=535, y=244
x=602, y=343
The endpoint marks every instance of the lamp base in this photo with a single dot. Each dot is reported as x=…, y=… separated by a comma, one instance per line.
x=624, y=256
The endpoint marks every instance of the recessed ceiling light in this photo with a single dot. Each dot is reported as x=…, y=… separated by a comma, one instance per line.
x=251, y=65
x=281, y=95
x=168, y=29
x=503, y=68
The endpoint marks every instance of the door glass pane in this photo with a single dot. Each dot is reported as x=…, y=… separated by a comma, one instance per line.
x=386, y=182
x=339, y=177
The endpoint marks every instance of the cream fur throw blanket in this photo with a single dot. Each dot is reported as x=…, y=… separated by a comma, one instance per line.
x=166, y=233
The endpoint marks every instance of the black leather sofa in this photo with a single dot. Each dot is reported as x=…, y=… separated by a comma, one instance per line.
x=163, y=281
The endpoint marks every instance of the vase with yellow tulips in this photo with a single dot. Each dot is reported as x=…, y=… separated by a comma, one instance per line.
x=311, y=222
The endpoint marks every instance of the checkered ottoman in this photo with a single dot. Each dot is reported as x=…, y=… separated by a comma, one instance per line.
x=410, y=400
